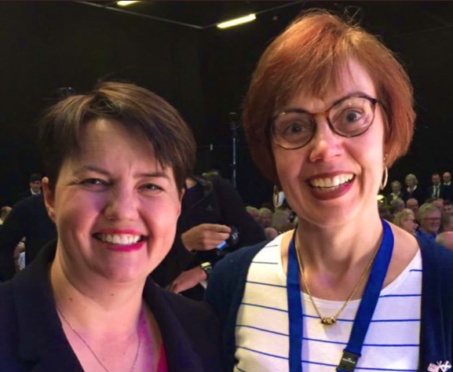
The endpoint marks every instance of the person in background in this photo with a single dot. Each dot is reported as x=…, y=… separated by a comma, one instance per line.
x=412, y=190
x=254, y=212
x=328, y=110
x=406, y=220
x=35, y=187
x=270, y=233
x=439, y=204
x=445, y=239
x=396, y=206
x=266, y=217
x=116, y=160
x=396, y=192
x=446, y=178
x=29, y=222
x=412, y=204
x=436, y=190
x=429, y=220
x=448, y=207
x=446, y=222
x=5, y=211
x=281, y=222
x=211, y=209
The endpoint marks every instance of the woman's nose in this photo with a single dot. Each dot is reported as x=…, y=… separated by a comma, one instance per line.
x=121, y=205
x=325, y=144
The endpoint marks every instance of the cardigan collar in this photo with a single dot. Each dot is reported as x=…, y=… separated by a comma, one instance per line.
x=43, y=344
x=435, y=310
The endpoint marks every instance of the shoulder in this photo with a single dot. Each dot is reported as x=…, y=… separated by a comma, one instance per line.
x=227, y=282
x=6, y=300
x=436, y=257
x=189, y=310
x=237, y=261
x=9, y=326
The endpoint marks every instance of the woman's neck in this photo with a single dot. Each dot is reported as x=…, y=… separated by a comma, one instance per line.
x=114, y=310
x=336, y=249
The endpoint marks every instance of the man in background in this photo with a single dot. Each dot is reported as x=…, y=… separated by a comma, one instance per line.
x=436, y=190
x=211, y=208
x=448, y=207
x=29, y=220
x=412, y=204
x=446, y=178
x=429, y=218
x=35, y=187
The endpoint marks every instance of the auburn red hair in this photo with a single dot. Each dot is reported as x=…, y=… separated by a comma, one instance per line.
x=309, y=57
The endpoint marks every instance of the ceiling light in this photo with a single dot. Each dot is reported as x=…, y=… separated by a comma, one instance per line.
x=237, y=21
x=126, y=3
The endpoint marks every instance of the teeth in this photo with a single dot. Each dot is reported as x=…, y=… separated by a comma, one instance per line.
x=125, y=239
x=330, y=184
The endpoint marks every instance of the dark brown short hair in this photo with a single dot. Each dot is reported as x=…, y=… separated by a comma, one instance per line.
x=142, y=112
x=309, y=57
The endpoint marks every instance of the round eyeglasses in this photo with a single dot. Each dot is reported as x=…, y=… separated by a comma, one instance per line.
x=350, y=116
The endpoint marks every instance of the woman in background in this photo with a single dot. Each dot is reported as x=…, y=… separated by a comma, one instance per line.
x=406, y=220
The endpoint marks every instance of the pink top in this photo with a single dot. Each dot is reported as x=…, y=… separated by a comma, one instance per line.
x=162, y=364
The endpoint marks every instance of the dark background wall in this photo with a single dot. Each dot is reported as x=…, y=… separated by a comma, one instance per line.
x=47, y=45
x=204, y=73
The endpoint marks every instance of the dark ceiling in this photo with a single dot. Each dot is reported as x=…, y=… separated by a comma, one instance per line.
x=387, y=18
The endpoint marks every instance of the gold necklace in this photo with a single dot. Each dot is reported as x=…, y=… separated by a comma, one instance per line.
x=92, y=351
x=333, y=319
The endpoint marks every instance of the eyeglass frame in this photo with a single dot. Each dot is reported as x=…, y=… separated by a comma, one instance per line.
x=325, y=114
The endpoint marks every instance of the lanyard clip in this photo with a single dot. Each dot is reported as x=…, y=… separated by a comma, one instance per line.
x=348, y=362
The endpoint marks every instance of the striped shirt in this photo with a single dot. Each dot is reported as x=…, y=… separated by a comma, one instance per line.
x=262, y=342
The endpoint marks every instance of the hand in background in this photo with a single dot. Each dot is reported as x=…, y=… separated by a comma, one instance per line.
x=187, y=280
x=205, y=237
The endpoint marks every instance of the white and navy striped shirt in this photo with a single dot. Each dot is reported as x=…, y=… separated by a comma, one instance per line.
x=391, y=344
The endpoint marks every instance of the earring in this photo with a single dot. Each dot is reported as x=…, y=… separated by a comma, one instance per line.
x=386, y=176
x=278, y=197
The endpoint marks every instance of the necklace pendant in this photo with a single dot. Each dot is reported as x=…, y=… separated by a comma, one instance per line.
x=328, y=321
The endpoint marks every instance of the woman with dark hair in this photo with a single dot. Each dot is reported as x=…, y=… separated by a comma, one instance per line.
x=329, y=109
x=116, y=161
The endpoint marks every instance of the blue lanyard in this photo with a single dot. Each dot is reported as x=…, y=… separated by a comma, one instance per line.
x=353, y=350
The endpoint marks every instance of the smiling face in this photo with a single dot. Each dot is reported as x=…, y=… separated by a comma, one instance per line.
x=334, y=179
x=430, y=223
x=114, y=206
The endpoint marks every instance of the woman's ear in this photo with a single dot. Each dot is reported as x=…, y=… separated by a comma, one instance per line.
x=49, y=198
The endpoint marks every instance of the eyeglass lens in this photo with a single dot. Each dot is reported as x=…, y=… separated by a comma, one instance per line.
x=348, y=118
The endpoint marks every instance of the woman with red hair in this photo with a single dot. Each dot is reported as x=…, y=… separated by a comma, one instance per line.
x=329, y=110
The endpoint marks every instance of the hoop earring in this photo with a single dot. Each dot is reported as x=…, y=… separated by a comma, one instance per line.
x=278, y=197
x=386, y=177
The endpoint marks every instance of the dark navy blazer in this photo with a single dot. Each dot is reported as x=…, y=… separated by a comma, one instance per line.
x=32, y=338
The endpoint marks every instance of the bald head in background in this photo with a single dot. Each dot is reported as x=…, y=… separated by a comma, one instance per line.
x=445, y=239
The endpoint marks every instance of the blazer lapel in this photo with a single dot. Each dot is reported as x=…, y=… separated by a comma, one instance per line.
x=181, y=357
x=43, y=344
